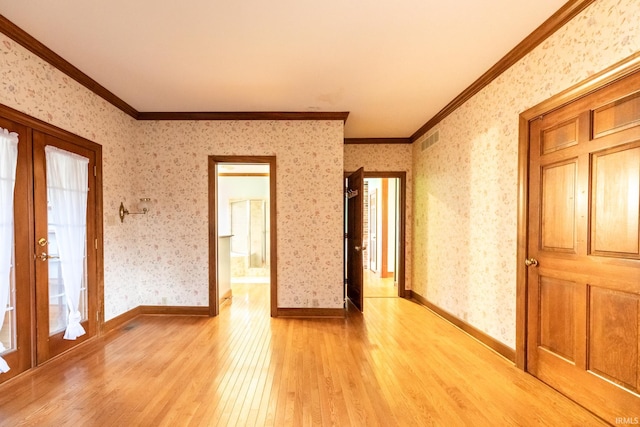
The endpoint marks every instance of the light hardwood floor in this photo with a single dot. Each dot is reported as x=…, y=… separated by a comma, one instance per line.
x=376, y=287
x=396, y=365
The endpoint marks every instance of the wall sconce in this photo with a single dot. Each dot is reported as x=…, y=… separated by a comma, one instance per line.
x=143, y=206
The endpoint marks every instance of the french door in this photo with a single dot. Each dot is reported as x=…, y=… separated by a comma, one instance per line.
x=63, y=279
x=53, y=301
x=16, y=331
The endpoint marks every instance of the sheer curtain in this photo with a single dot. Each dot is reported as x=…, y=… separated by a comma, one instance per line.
x=8, y=162
x=67, y=186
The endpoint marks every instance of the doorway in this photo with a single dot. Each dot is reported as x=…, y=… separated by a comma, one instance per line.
x=368, y=220
x=381, y=224
x=242, y=240
x=51, y=228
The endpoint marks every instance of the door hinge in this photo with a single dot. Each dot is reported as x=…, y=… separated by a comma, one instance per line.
x=96, y=244
x=95, y=171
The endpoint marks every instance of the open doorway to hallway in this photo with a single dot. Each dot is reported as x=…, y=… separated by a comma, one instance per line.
x=368, y=258
x=381, y=236
x=242, y=240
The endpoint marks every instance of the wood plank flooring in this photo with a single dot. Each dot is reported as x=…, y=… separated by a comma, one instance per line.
x=396, y=365
x=376, y=287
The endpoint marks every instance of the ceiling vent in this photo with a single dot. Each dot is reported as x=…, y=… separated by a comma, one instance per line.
x=431, y=139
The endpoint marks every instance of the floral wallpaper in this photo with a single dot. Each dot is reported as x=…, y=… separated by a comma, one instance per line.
x=465, y=185
x=34, y=87
x=162, y=258
x=387, y=158
x=464, y=188
x=171, y=168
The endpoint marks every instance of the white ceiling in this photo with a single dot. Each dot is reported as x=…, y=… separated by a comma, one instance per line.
x=392, y=64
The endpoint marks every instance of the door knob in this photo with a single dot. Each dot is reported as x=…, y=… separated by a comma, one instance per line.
x=45, y=256
x=357, y=248
x=529, y=262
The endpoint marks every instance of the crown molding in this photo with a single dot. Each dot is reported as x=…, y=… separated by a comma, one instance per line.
x=540, y=34
x=550, y=26
x=43, y=52
x=34, y=46
x=377, y=141
x=240, y=115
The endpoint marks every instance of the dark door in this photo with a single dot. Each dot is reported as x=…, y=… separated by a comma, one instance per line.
x=355, y=186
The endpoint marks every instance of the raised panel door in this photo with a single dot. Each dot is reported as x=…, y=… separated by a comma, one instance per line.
x=584, y=250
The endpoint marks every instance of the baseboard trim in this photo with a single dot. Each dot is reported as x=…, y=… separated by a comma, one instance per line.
x=175, y=310
x=311, y=312
x=487, y=340
x=226, y=296
x=128, y=316
x=120, y=320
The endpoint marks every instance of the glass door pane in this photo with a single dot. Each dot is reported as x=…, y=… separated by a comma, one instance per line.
x=58, y=309
x=15, y=333
x=8, y=331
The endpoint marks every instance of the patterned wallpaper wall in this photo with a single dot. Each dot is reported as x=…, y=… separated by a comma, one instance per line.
x=465, y=186
x=34, y=87
x=383, y=158
x=171, y=168
x=164, y=255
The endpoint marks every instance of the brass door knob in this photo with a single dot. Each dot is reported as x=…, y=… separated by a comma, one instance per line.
x=45, y=256
x=529, y=262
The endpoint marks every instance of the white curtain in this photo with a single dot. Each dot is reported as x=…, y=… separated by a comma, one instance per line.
x=67, y=186
x=8, y=162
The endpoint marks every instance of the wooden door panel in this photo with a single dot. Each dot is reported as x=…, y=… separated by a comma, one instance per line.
x=590, y=390
x=591, y=270
x=617, y=115
x=616, y=203
x=560, y=136
x=557, y=317
x=559, y=207
x=613, y=336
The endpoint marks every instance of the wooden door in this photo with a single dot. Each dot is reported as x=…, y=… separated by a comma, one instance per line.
x=16, y=332
x=52, y=293
x=355, y=197
x=583, y=323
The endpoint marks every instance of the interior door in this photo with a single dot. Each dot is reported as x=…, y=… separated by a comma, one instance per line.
x=16, y=331
x=65, y=244
x=583, y=324
x=355, y=187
